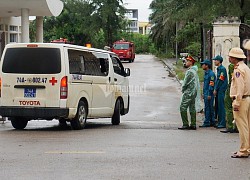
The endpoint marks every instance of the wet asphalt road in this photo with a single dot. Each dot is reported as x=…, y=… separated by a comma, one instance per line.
x=146, y=145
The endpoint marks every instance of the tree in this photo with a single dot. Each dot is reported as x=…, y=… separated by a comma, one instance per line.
x=110, y=14
x=188, y=15
x=73, y=23
x=84, y=21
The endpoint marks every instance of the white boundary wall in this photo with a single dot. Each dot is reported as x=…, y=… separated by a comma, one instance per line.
x=226, y=32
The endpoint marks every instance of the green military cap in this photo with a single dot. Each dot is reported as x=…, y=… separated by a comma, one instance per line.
x=218, y=58
x=206, y=61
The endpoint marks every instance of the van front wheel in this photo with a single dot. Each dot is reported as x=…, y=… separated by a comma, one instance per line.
x=18, y=122
x=117, y=113
x=79, y=120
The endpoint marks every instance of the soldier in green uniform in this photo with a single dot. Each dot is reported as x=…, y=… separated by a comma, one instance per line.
x=228, y=104
x=189, y=93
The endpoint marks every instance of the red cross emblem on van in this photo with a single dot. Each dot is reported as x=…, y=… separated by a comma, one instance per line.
x=53, y=81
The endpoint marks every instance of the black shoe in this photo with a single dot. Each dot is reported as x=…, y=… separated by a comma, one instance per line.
x=204, y=126
x=213, y=125
x=234, y=131
x=183, y=127
x=227, y=131
x=192, y=127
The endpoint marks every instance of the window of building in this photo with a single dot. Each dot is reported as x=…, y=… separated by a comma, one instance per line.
x=141, y=30
x=13, y=37
x=13, y=28
x=1, y=27
x=133, y=24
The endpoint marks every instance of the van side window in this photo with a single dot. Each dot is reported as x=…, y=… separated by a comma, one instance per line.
x=104, y=65
x=76, y=62
x=117, y=65
x=83, y=62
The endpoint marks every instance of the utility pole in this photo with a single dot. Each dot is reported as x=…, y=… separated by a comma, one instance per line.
x=176, y=42
x=166, y=44
x=202, y=41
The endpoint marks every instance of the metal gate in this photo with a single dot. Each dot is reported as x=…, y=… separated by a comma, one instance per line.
x=245, y=34
x=210, y=44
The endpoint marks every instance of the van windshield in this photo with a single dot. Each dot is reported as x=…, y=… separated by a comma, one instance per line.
x=121, y=46
x=32, y=61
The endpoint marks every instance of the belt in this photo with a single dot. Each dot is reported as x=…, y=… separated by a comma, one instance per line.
x=243, y=97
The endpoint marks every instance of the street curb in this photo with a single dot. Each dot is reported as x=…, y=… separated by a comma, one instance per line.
x=170, y=70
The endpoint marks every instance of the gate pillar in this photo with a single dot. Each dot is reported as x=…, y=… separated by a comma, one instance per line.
x=226, y=35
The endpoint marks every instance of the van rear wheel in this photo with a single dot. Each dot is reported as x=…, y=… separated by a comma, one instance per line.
x=18, y=122
x=79, y=120
x=116, y=118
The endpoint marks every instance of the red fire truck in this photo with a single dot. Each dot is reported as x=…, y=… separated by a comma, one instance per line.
x=124, y=49
x=61, y=41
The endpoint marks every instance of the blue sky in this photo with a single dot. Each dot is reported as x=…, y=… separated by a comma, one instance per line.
x=141, y=5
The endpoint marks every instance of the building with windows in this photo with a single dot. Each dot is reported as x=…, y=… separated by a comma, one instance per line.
x=14, y=19
x=132, y=16
x=134, y=25
x=144, y=28
x=10, y=31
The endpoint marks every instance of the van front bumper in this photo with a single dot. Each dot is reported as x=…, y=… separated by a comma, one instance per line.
x=31, y=112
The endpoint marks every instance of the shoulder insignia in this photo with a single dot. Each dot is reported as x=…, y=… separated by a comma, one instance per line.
x=211, y=83
x=222, y=77
x=237, y=74
x=212, y=78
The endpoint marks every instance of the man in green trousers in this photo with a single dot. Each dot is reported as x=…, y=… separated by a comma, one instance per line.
x=189, y=93
x=228, y=105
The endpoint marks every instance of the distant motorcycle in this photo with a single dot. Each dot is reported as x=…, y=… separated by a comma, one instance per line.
x=183, y=59
x=184, y=62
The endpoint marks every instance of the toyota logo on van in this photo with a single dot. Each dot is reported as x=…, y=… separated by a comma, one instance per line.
x=29, y=103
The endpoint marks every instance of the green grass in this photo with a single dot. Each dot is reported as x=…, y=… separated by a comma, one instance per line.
x=200, y=73
x=180, y=71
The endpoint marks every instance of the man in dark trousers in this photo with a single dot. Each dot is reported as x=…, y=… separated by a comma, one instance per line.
x=219, y=91
x=208, y=96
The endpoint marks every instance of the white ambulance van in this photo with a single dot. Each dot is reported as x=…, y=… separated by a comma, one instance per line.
x=61, y=81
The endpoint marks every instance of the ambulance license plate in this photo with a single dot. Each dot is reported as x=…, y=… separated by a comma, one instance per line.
x=30, y=92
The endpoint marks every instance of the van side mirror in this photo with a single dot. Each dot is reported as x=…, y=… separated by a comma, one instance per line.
x=127, y=71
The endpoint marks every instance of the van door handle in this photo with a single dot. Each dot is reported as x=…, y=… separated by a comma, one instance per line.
x=115, y=79
x=30, y=86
